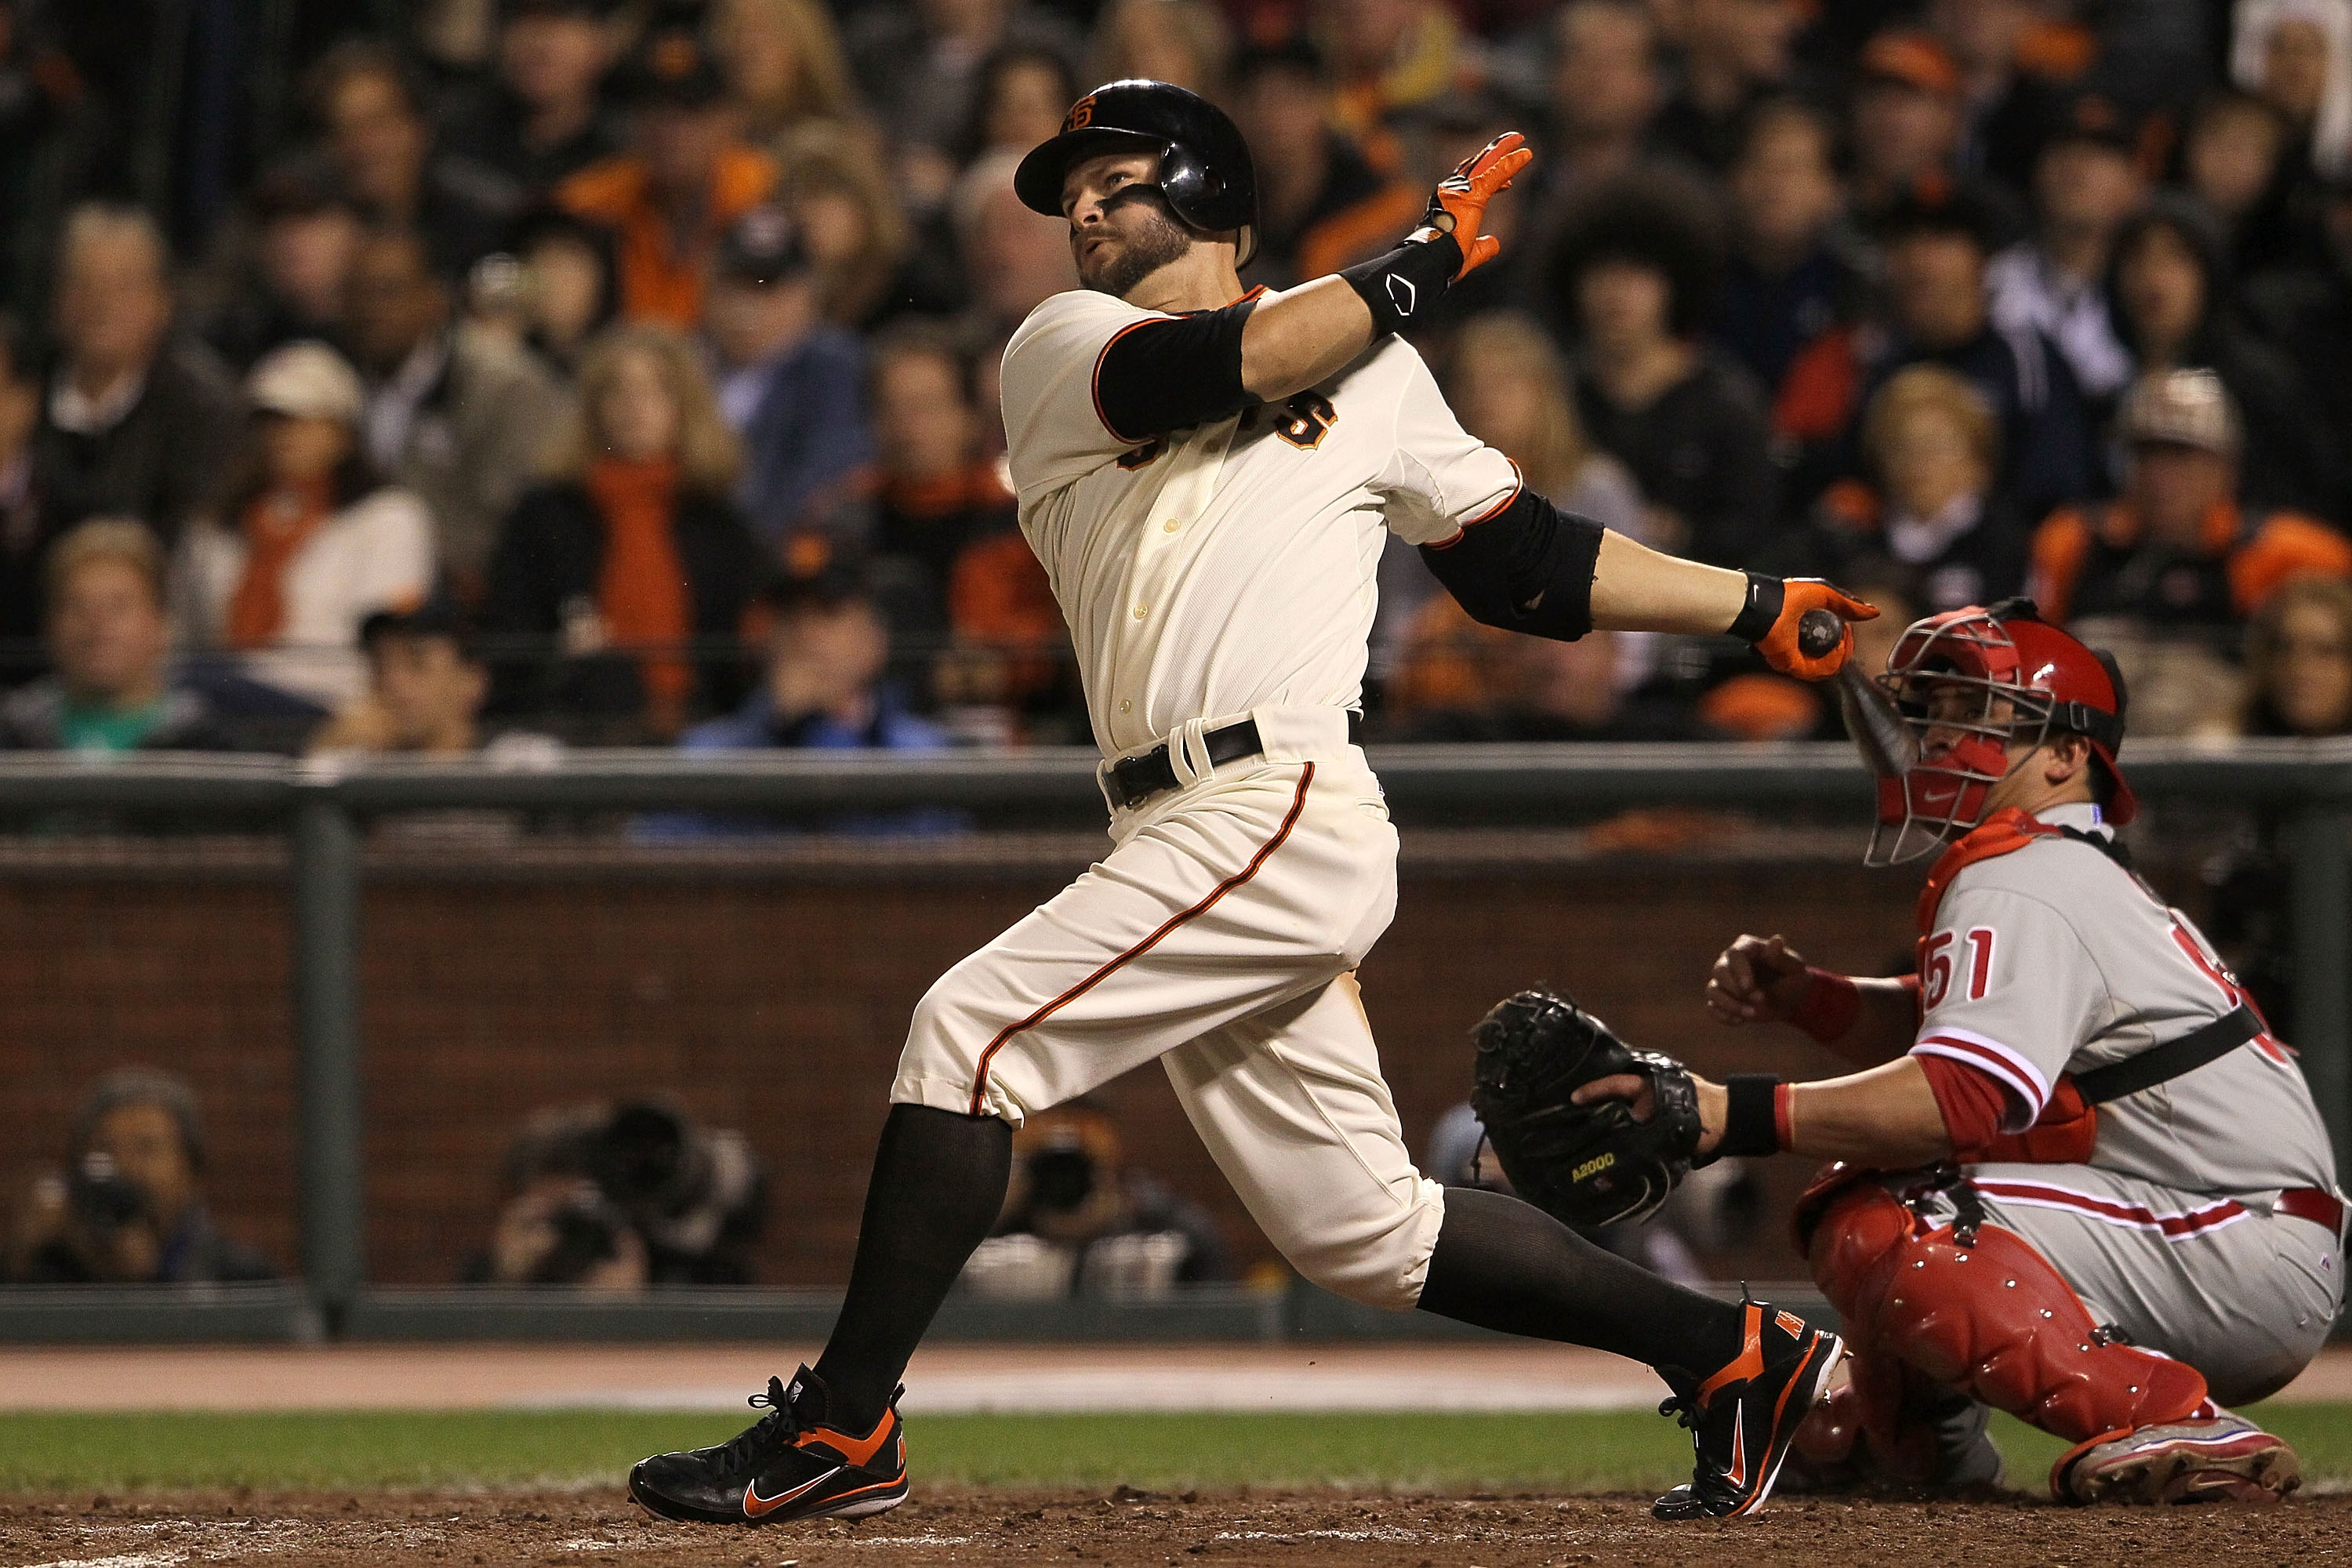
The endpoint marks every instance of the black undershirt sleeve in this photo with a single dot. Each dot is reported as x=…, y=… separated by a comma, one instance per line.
x=1526, y=568
x=1162, y=375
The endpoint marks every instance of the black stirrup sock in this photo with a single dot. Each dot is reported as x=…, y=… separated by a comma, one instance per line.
x=1504, y=1264
x=939, y=1181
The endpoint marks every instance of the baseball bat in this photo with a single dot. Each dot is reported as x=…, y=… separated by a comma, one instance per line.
x=1879, y=733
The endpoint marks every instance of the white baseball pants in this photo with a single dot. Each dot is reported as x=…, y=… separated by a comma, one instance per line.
x=1221, y=935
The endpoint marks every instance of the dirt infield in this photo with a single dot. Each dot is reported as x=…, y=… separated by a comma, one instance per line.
x=1146, y=1528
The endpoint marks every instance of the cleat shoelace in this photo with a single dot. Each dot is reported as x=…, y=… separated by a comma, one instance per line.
x=761, y=1439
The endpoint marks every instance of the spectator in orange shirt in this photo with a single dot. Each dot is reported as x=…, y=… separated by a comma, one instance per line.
x=688, y=178
x=1323, y=202
x=2175, y=554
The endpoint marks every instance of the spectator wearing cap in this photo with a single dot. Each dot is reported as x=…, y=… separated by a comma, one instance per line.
x=2086, y=181
x=289, y=257
x=1935, y=255
x=1735, y=53
x=541, y=119
x=2306, y=312
x=785, y=67
x=138, y=422
x=1796, y=268
x=633, y=553
x=789, y=383
x=1638, y=275
x=1906, y=118
x=686, y=180
x=2169, y=292
x=2176, y=552
x=311, y=542
x=821, y=685
x=456, y=413
x=112, y=686
x=380, y=148
x=1322, y=202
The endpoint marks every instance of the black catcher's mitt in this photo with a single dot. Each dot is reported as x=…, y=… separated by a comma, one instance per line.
x=1586, y=1164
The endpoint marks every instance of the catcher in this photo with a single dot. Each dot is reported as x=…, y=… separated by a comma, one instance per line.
x=2077, y=1178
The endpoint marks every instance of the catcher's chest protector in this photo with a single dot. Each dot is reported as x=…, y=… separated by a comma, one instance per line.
x=1991, y=1319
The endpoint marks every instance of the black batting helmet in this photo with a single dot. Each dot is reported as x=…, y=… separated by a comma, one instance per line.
x=1204, y=165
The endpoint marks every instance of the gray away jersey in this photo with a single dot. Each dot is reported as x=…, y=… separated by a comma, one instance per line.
x=2054, y=958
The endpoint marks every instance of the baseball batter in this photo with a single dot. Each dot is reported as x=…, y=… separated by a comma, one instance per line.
x=1208, y=476
x=2114, y=1205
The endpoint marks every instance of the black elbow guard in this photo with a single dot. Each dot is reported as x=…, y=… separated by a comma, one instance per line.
x=1526, y=568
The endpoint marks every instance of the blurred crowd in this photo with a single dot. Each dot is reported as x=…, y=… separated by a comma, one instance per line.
x=421, y=378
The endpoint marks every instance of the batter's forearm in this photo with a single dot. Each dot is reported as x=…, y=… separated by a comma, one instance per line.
x=1303, y=336
x=1637, y=589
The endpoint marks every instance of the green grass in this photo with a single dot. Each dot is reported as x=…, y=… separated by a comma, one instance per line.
x=408, y=1449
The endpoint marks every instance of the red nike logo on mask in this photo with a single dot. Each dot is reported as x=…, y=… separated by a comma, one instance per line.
x=756, y=1506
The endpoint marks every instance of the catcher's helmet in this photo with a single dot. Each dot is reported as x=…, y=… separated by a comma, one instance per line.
x=1204, y=165
x=1972, y=683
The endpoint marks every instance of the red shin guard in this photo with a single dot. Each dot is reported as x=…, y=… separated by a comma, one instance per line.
x=1993, y=1320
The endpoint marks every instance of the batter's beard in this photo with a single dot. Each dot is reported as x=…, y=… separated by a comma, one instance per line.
x=1161, y=240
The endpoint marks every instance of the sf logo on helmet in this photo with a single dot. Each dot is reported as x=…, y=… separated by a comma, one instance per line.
x=1082, y=114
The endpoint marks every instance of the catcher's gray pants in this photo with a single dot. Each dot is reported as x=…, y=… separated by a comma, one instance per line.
x=2245, y=1296
x=1221, y=935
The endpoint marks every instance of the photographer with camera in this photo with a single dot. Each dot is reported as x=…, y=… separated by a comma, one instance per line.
x=128, y=1208
x=624, y=1197
x=1079, y=1221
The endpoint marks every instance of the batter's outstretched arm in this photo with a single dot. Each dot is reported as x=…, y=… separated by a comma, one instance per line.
x=1528, y=566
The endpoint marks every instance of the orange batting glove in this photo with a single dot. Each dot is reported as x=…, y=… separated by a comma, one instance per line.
x=1460, y=204
x=1777, y=642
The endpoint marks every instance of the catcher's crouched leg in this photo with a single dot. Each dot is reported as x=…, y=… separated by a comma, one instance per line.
x=1992, y=1320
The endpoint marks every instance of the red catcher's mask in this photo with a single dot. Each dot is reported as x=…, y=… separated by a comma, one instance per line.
x=1973, y=684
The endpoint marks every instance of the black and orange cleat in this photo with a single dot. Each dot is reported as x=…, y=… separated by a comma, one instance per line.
x=1744, y=1417
x=787, y=1465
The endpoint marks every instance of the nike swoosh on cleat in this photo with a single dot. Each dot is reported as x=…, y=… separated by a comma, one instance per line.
x=757, y=1507
x=1738, y=1476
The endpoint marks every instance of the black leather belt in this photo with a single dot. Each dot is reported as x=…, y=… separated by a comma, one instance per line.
x=1131, y=781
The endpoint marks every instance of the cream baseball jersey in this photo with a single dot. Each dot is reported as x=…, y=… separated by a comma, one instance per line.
x=1229, y=567
x=2055, y=958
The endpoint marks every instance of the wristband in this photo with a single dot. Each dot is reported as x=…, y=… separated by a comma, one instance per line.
x=1832, y=1003
x=1751, y=1118
x=1406, y=281
x=1762, y=610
